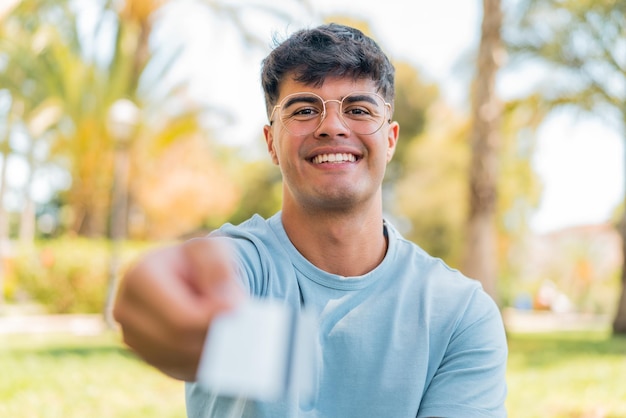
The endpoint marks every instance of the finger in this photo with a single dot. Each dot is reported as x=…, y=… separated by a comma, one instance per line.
x=212, y=272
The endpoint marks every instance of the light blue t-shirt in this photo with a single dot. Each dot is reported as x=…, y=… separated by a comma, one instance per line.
x=411, y=338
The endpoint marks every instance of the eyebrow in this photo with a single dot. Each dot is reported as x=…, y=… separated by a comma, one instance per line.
x=301, y=98
x=361, y=98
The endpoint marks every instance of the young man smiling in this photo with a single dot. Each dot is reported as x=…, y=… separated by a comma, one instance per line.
x=400, y=333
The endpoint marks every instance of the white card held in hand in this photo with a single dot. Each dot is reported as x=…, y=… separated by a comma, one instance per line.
x=260, y=350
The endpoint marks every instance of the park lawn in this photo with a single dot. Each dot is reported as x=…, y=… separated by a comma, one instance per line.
x=65, y=376
x=569, y=375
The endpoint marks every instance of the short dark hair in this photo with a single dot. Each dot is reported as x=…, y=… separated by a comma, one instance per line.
x=312, y=55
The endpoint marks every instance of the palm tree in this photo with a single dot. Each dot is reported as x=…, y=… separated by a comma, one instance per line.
x=33, y=111
x=49, y=62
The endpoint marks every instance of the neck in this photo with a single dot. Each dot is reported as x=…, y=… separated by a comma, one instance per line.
x=346, y=244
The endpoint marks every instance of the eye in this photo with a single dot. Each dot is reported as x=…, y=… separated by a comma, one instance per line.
x=302, y=108
x=304, y=112
x=358, y=111
x=363, y=106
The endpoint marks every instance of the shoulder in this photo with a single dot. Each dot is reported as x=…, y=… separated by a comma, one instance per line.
x=259, y=251
x=256, y=234
x=444, y=293
x=254, y=226
x=429, y=270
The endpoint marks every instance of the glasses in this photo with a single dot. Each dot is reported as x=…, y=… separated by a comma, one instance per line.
x=363, y=113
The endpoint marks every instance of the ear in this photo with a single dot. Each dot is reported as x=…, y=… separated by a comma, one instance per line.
x=268, y=132
x=392, y=139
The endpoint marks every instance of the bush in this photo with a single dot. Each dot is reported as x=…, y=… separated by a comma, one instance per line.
x=66, y=275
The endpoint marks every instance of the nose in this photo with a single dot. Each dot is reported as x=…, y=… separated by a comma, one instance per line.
x=332, y=123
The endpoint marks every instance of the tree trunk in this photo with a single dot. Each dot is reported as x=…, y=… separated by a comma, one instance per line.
x=27, y=217
x=4, y=222
x=480, y=257
x=91, y=179
x=619, y=322
x=119, y=218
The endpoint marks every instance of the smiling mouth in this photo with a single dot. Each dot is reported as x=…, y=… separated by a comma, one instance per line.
x=334, y=158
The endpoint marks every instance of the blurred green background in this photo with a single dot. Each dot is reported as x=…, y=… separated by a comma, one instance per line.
x=557, y=374
x=109, y=145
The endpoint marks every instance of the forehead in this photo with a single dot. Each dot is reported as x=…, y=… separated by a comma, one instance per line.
x=332, y=88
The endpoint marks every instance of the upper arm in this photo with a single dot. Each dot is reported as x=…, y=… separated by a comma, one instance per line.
x=471, y=378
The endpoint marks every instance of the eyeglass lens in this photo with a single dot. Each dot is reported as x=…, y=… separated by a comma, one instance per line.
x=362, y=112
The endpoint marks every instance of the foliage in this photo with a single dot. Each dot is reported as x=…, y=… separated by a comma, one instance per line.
x=578, y=44
x=581, y=44
x=71, y=62
x=519, y=191
x=196, y=191
x=66, y=275
x=414, y=96
x=46, y=59
x=261, y=183
x=59, y=277
x=33, y=110
x=432, y=193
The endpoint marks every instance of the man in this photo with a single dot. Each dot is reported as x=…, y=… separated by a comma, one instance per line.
x=400, y=333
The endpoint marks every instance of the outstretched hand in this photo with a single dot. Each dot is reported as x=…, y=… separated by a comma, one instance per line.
x=166, y=303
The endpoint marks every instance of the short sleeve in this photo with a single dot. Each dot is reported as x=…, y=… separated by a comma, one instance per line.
x=471, y=378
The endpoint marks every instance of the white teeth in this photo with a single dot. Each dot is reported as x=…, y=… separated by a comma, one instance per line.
x=334, y=158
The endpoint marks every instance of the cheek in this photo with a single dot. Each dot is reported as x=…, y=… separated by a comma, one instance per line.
x=283, y=151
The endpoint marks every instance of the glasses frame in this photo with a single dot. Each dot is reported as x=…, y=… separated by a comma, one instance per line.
x=387, y=106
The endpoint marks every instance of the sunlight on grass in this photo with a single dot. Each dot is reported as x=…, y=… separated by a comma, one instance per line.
x=550, y=375
x=576, y=374
x=69, y=376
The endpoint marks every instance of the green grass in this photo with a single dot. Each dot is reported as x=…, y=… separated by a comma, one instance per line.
x=569, y=375
x=71, y=377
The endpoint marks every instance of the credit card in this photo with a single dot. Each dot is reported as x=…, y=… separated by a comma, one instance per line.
x=261, y=350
